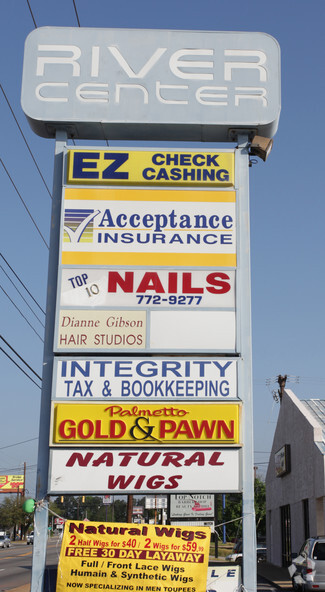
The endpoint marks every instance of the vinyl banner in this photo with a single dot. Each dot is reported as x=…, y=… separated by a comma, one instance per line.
x=144, y=167
x=126, y=557
x=98, y=424
x=146, y=226
x=158, y=470
x=133, y=379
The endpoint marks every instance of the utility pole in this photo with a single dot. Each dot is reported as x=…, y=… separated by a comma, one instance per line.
x=282, y=383
x=24, y=484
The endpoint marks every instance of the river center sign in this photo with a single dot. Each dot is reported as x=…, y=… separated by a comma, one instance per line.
x=150, y=84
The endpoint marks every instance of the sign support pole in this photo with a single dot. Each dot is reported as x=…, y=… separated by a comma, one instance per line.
x=41, y=512
x=245, y=369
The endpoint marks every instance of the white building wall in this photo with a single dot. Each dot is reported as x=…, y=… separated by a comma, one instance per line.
x=297, y=427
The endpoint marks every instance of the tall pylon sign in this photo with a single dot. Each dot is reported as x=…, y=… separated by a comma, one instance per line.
x=147, y=384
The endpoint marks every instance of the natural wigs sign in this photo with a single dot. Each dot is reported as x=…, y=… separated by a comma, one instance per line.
x=104, y=556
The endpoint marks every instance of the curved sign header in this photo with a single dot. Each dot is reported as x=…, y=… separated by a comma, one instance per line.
x=151, y=84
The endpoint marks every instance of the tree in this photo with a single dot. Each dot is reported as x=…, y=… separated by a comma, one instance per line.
x=12, y=515
x=233, y=511
x=73, y=507
x=260, y=507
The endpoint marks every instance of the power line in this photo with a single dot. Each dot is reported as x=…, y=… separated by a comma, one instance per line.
x=20, y=368
x=18, y=278
x=30, y=10
x=22, y=359
x=17, y=444
x=27, y=321
x=75, y=9
x=24, y=299
x=28, y=147
x=25, y=206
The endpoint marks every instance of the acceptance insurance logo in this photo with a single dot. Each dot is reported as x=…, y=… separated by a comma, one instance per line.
x=79, y=225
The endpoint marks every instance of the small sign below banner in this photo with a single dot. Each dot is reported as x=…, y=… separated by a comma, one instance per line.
x=223, y=578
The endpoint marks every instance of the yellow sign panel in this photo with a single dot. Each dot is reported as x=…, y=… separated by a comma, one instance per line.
x=124, y=167
x=97, y=555
x=98, y=424
x=10, y=483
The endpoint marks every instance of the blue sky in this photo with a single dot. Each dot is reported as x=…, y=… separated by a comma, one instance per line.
x=287, y=207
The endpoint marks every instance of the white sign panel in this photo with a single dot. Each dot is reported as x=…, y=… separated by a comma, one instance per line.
x=151, y=379
x=156, y=502
x=144, y=288
x=150, y=84
x=209, y=523
x=223, y=578
x=134, y=470
x=192, y=506
x=193, y=330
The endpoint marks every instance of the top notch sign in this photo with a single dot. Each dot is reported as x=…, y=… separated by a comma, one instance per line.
x=150, y=84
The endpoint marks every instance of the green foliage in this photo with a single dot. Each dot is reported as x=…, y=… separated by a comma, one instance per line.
x=74, y=508
x=233, y=511
x=260, y=508
x=12, y=514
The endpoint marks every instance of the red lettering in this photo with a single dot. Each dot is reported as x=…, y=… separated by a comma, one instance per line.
x=187, y=285
x=139, y=482
x=203, y=428
x=155, y=482
x=173, y=482
x=145, y=462
x=121, y=482
x=115, y=279
x=67, y=429
x=98, y=426
x=172, y=458
x=215, y=458
x=151, y=281
x=117, y=428
x=197, y=458
x=77, y=457
x=126, y=457
x=185, y=429
x=229, y=431
x=221, y=287
x=172, y=283
x=166, y=427
x=85, y=429
x=104, y=459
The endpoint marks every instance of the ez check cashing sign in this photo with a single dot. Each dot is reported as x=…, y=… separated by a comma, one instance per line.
x=135, y=167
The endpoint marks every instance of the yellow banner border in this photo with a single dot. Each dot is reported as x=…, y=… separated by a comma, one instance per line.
x=149, y=194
